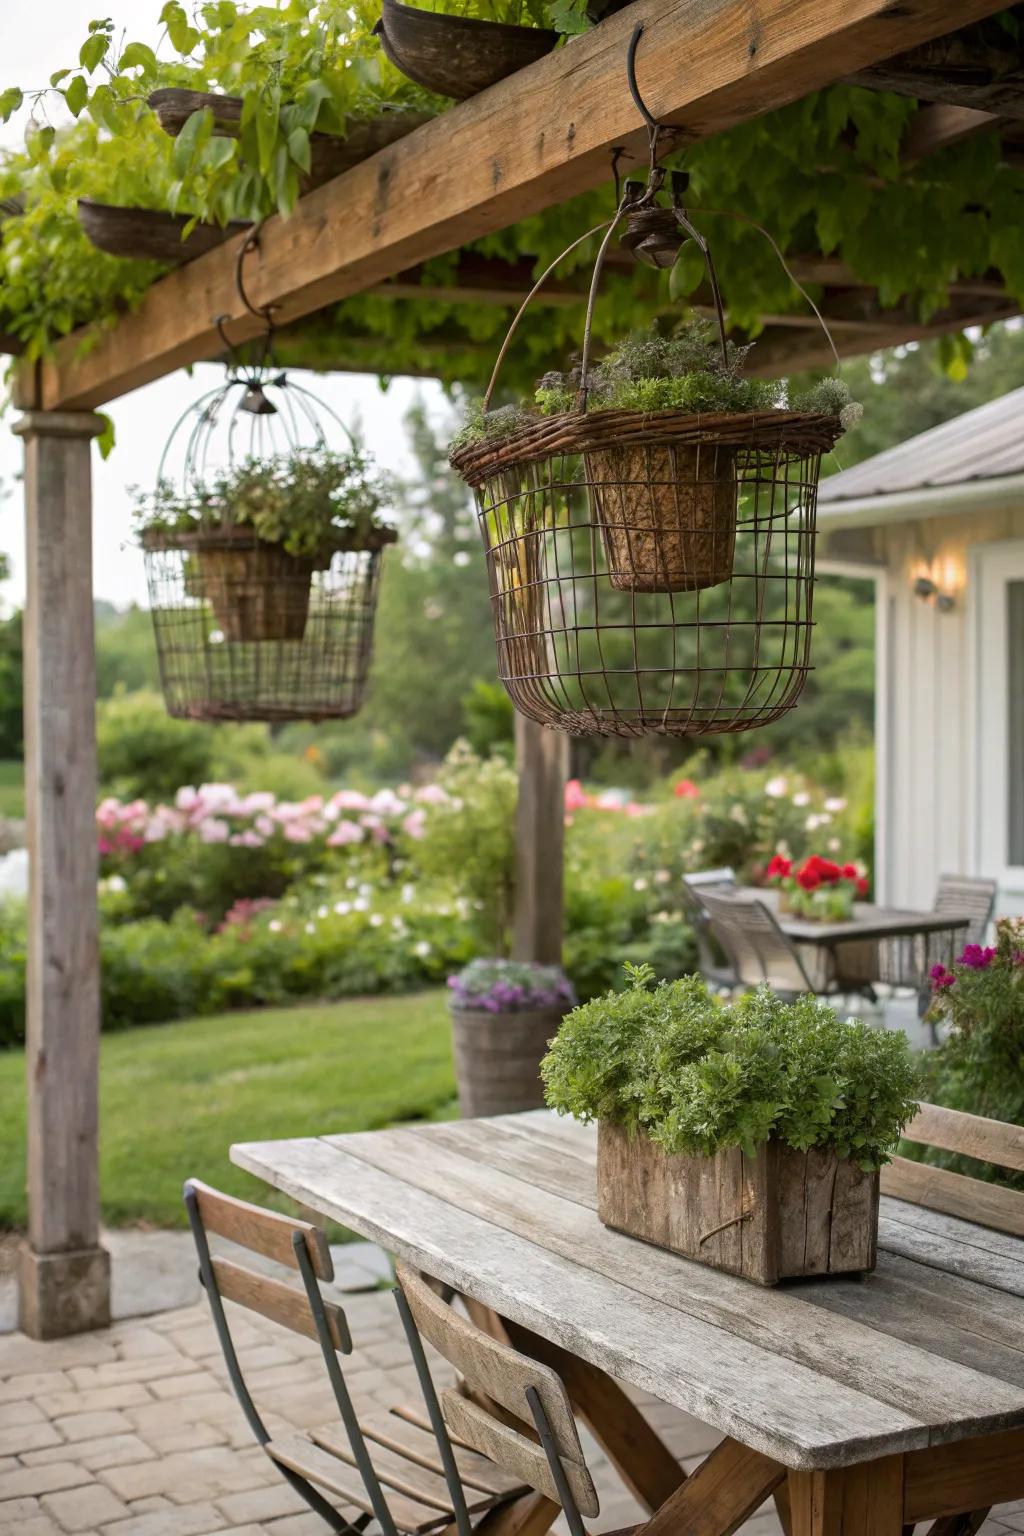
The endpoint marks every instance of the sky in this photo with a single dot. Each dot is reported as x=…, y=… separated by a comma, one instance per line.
x=36, y=39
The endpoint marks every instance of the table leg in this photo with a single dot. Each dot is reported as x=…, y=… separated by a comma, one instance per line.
x=725, y=1490
x=864, y=1500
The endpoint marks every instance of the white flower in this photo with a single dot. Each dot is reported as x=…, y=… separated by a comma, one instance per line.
x=640, y=884
x=833, y=845
x=738, y=814
x=836, y=804
x=813, y=823
x=360, y=904
x=321, y=912
x=274, y=925
x=311, y=927
x=801, y=798
x=662, y=876
x=116, y=883
x=343, y=908
x=408, y=892
x=776, y=788
x=422, y=949
x=375, y=919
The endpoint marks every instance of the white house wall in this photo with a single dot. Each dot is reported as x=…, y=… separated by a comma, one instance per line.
x=927, y=735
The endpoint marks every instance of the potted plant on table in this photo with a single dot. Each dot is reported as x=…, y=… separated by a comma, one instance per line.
x=747, y=1136
x=504, y=1015
x=822, y=890
x=256, y=533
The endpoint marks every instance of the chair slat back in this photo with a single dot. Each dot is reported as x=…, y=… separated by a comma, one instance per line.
x=965, y=893
x=281, y=1303
x=753, y=940
x=261, y=1231
x=958, y=1194
x=503, y=1375
x=471, y=1423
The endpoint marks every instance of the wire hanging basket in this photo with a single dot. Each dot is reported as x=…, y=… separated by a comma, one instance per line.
x=650, y=572
x=246, y=629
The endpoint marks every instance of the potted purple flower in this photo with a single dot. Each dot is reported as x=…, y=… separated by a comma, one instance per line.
x=504, y=1014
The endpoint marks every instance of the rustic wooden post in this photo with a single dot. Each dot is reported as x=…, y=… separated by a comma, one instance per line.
x=64, y=1274
x=542, y=758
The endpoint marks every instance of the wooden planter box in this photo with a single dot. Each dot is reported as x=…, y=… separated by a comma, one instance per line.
x=498, y=1056
x=774, y=1217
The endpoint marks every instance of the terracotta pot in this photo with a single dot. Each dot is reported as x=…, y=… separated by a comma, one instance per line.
x=776, y=1216
x=667, y=515
x=456, y=55
x=497, y=1058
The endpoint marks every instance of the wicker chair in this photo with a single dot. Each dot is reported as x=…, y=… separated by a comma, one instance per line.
x=714, y=964
x=759, y=950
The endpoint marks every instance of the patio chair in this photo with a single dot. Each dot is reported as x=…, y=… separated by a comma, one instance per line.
x=968, y=894
x=509, y=1408
x=395, y=1466
x=712, y=961
x=980, y=1140
x=759, y=950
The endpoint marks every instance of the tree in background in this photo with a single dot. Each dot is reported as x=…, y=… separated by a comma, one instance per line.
x=433, y=639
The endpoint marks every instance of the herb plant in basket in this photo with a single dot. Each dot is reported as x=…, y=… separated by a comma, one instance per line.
x=256, y=533
x=504, y=1014
x=747, y=1136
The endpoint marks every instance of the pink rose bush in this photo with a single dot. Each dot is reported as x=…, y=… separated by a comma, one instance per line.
x=215, y=846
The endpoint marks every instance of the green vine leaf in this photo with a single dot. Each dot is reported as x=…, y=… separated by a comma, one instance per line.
x=76, y=95
x=10, y=101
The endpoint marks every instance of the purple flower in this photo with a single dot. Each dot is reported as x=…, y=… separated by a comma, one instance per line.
x=942, y=979
x=977, y=958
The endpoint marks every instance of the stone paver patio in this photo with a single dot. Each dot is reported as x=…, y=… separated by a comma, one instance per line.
x=135, y=1432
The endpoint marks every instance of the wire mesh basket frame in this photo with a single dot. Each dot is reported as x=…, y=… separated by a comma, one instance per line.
x=607, y=625
x=244, y=629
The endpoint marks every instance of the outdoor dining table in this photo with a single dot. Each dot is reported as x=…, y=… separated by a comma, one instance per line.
x=889, y=944
x=864, y=1404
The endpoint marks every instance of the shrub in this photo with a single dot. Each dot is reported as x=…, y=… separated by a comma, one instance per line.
x=469, y=838
x=979, y=1066
x=698, y=1076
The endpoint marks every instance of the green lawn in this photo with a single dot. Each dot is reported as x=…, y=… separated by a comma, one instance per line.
x=12, y=788
x=173, y=1097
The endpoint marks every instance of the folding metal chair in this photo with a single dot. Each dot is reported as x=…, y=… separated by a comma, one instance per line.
x=397, y=1467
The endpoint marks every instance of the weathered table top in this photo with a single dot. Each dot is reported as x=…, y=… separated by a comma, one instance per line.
x=822, y=1373
x=868, y=921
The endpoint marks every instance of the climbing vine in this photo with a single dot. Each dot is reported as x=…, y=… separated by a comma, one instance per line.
x=823, y=175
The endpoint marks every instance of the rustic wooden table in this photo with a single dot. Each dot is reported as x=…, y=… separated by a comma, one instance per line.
x=864, y=1405
x=868, y=921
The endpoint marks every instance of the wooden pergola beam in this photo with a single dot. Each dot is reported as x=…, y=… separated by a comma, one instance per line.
x=531, y=141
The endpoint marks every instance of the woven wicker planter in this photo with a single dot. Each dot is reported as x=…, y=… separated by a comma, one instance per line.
x=257, y=590
x=498, y=1056
x=667, y=515
x=456, y=55
x=779, y=1216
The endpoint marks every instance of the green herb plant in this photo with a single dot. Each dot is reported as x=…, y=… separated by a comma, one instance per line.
x=306, y=501
x=697, y=1076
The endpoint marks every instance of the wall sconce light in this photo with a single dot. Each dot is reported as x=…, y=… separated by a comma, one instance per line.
x=937, y=582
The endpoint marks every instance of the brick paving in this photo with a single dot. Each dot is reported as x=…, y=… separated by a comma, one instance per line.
x=135, y=1431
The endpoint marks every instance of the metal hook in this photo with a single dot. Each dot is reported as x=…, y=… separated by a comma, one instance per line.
x=634, y=89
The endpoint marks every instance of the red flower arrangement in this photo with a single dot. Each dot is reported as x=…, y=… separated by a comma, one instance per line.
x=819, y=888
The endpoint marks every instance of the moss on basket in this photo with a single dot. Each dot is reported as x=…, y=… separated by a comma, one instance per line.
x=650, y=372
